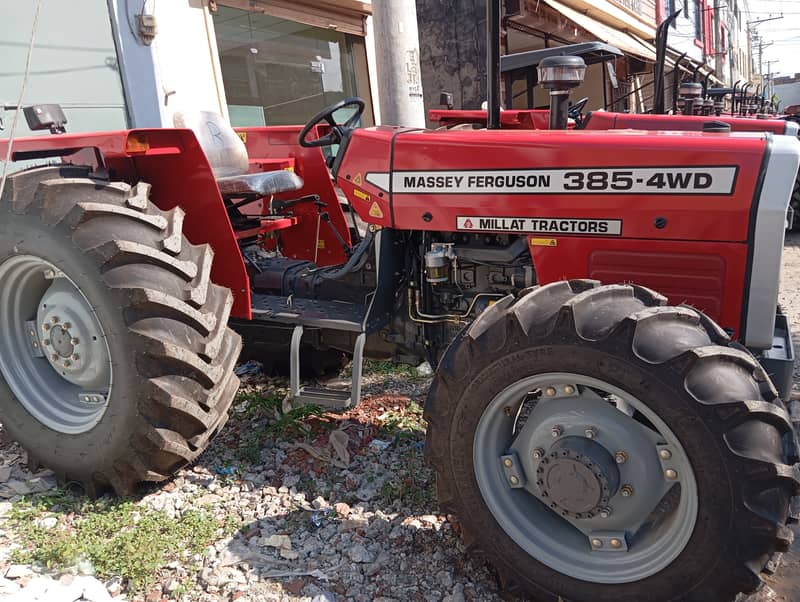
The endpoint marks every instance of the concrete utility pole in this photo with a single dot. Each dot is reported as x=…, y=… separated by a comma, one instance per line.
x=718, y=49
x=397, y=54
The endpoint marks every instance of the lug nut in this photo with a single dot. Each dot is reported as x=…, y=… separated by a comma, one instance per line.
x=550, y=392
x=46, y=342
x=32, y=332
x=665, y=454
x=569, y=389
x=620, y=457
x=75, y=357
x=670, y=474
x=67, y=363
x=54, y=357
x=605, y=512
x=513, y=480
x=556, y=431
x=616, y=543
x=626, y=491
x=67, y=325
x=75, y=341
x=45, y=327
x=508, y=463
x=538, y=453
x=55, y=319
x=590, y=432
x=596, y=543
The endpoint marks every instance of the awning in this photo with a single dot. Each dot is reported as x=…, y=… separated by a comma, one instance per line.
x=622, y=40
x=341, y=15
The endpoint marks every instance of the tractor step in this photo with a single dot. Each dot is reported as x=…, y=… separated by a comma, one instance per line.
x=335, y=399
x=335, y=315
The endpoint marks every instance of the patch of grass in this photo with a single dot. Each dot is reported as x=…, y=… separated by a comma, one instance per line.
x=293, y=424
x=119, y=537
x=405, y=423
x=257, y=403
x=387, y=368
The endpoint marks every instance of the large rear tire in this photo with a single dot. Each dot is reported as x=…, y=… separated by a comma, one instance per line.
x=599, y=446
x=117, y=364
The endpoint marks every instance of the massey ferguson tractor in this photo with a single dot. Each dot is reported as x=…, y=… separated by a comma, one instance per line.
x=608, y=415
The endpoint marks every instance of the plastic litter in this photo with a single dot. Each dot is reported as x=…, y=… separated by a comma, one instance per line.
x=224, y=470
x=425, y=369
x=250, y=368
x=320, y=518
x=379, y=444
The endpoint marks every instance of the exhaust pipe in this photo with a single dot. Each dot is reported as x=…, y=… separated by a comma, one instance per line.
x=493, y=64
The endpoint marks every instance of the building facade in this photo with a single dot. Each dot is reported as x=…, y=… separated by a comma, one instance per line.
x=259, y=62
x=453, y=48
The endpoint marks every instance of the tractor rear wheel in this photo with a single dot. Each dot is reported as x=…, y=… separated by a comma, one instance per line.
x=599, y=446
x=117, y=362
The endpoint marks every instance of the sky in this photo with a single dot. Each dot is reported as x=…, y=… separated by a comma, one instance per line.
x=783, y=34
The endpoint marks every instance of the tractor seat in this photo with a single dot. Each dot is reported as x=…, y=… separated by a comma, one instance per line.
x=265, y=183
x=227, y=156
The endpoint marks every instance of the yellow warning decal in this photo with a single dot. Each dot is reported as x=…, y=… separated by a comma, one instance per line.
x=375, y=210
x=320, y=243
x=358, y=180
x=243, y=136
x=544, y=242
x=361, y=195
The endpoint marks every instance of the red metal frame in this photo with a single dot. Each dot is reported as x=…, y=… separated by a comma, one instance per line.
x=601, y=120
x=528, y=119
x=178, y=171
x=278, y=145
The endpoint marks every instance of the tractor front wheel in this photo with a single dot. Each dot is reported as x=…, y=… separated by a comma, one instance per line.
x=600, y=446
x=116, y=364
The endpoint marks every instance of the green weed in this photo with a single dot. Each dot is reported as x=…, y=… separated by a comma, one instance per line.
x=119, y=537
x=291, y=424
x=387, y=368
x=405, y=423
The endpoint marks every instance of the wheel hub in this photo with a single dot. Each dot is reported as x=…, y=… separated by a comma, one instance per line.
x=71, y=337
x=579, y=476
x=61, y=341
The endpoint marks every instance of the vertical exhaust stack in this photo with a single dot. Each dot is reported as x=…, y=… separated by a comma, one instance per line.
x=493, y=64
x=560, y=74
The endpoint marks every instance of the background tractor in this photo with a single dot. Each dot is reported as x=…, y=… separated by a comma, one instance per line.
x=696, y=105
x=598, y=439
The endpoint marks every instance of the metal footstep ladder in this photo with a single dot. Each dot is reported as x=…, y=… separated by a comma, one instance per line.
x=325, y=396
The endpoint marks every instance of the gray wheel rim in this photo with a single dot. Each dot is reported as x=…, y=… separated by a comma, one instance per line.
x=55, y=357
x=651, y=522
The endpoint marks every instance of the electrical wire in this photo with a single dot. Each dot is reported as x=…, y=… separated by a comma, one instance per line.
x=18, y=110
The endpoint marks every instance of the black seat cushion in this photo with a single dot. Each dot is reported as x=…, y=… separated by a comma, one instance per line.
x=262, y=184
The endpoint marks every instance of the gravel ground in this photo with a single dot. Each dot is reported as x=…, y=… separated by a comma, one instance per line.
x=785, y=585
x=315, y=508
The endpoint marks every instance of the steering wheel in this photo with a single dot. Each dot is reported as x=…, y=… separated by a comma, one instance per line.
x=338, y=131
x=576, y=110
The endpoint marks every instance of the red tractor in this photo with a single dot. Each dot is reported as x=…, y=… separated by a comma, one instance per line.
x=607, y=416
